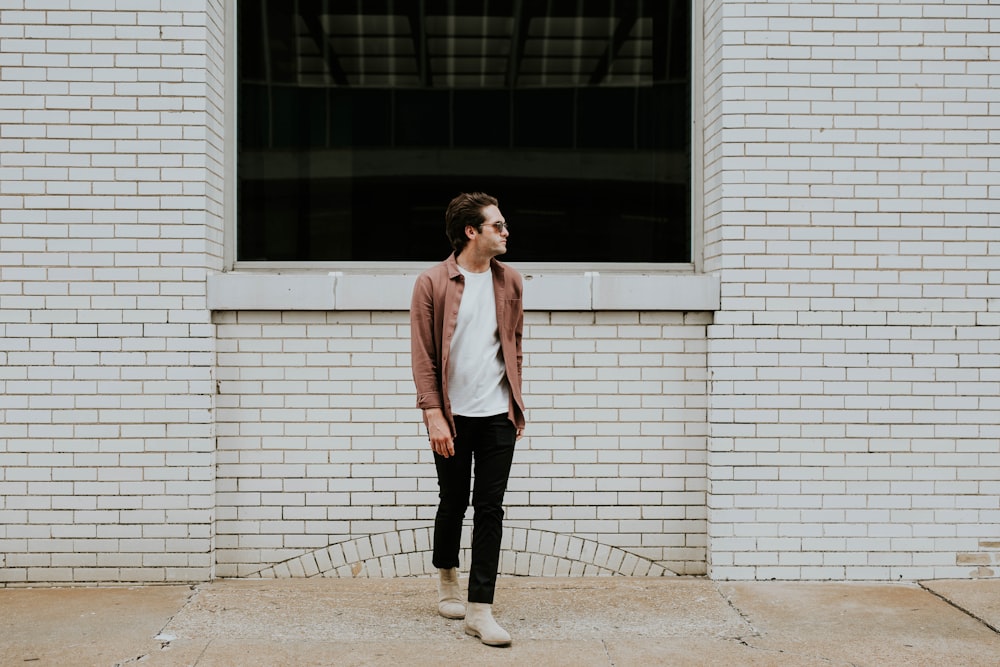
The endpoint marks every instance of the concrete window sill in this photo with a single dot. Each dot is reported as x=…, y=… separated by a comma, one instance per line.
x=391, y=291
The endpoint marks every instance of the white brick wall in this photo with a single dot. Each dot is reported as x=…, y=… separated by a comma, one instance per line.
x=110, y=215
x=837, y=419
x=851, y=194
x=320, y=442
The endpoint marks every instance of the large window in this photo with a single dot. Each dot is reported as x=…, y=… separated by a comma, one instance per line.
x=359, y=119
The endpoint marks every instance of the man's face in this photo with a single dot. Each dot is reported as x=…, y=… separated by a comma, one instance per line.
x=489, y=240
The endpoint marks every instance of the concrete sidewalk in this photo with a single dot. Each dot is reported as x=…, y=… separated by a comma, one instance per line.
x=603, y=621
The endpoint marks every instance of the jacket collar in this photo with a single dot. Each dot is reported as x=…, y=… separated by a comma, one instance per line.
x=452, y=264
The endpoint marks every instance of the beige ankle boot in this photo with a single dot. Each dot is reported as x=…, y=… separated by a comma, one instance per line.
x=450, y=603
x=479, y=622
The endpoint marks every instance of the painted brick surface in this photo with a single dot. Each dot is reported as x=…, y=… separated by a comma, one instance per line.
x=320, y=444
x=851, y=208
x=836, y=419
x=110, y=216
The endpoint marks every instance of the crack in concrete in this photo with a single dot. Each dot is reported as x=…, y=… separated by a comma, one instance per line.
x=164, y=644
x=195, y=590
x=202, y=654
x=607, y=653
x=781, y=651
x=739, y=612
x=960, y=608
x=754, y=632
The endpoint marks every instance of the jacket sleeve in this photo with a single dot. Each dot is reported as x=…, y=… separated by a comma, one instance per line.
x=423, y=348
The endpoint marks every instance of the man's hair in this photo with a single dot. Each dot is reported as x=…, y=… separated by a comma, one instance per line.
x=464, y=210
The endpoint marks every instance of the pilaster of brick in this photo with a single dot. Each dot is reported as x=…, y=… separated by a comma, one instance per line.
x=853, y=218
x=110, y=216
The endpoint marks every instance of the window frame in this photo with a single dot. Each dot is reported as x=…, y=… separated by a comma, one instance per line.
x=561, y=270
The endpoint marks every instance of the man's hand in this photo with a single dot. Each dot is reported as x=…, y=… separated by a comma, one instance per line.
x=439, y=432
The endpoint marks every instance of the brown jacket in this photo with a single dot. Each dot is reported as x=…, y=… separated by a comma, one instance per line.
x=433, y=316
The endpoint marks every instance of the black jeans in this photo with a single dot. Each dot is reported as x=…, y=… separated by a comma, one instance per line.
x=489, y=442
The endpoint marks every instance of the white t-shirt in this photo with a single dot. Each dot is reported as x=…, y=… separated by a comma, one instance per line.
x=477, y=382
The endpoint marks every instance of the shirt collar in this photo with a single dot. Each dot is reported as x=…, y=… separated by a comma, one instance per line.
x=452, y=263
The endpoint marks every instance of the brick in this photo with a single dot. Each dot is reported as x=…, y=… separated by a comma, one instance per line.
x=862, y=130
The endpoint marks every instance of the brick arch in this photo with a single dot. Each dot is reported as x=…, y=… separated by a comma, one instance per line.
x=407, y=553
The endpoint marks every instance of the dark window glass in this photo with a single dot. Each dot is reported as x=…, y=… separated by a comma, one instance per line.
x=359, y=121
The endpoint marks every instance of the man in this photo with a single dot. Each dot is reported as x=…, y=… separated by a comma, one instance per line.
x=466, y=321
